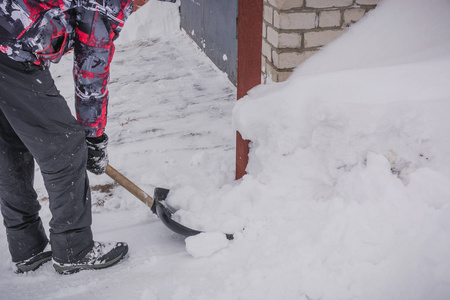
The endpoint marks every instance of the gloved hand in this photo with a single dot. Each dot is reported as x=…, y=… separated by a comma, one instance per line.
x=97, y=154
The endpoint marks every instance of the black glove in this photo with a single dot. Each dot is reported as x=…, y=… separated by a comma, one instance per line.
x=97, y=154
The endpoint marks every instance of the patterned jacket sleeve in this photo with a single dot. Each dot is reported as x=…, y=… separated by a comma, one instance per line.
x=98, y=25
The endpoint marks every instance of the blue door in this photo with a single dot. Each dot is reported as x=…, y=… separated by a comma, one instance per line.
x=212, y=25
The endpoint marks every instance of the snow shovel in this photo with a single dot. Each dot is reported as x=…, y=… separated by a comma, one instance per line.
x=162, y=210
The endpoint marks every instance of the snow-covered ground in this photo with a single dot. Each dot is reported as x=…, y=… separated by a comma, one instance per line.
x=348, y=191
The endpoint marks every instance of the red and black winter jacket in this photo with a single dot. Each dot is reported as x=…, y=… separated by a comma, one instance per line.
x=41, y=31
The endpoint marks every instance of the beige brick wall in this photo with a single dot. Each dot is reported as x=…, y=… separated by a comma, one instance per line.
x=293, y=30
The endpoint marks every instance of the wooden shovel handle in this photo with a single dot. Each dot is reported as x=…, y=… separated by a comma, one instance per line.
x=129, y=186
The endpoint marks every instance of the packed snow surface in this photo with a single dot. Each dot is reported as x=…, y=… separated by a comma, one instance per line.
x=347, y=194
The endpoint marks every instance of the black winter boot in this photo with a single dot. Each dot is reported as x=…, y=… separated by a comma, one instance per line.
x=102, y=255
x=34, y=262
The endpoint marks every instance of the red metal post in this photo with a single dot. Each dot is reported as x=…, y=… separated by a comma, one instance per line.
x=250, y=16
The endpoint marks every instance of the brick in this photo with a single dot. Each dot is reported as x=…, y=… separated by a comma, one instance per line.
x=321, y=38
x=282, y=76
x=275, y=60
x=290, y=40
x=138, y=4
x=266, y=50
x=284, y=40
x=263, y=64
x=330, y=18
x=367, y=2
x=267, y=72
x=271, y=74
x=264, y=30
x=353, y=15
x=328, y=3
x=301, y=20
x=272, y=36
x=268, y=14
x=289, y=60
x=286, y=4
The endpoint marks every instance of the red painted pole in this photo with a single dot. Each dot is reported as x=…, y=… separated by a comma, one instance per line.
x=250, y=16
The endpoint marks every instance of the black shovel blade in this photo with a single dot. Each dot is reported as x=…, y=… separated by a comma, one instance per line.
x=165, y=213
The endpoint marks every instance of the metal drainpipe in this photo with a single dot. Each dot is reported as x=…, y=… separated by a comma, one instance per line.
x=250, y=17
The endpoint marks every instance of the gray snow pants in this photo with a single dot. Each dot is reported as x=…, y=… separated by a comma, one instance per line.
x=36, y=124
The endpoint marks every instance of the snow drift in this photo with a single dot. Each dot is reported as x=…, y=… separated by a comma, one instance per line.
x=348, y=188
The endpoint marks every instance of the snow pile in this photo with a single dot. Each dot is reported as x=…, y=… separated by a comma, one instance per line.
x=348, y=191
x=152, y=20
